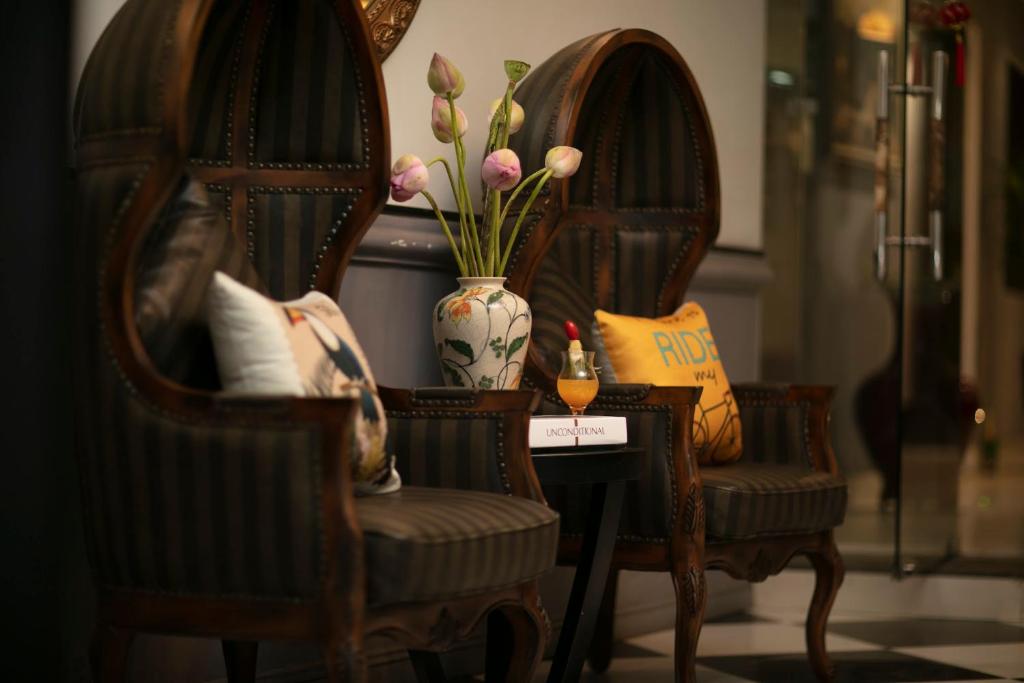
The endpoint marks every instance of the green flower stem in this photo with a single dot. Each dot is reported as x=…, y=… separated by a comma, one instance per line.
x=494, y=248
x=465, y=212
x=463, y=243
x=492, y=243
x=476, y=254
x=507, y=106
x=447, y=233
x=492, y=133
x=515, y=193
x=460, y=155
x=519, y=221
x=461, y=200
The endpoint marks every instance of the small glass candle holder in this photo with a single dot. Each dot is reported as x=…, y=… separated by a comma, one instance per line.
x=577, y=382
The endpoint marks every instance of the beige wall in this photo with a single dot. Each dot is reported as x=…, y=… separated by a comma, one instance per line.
x=723, y=43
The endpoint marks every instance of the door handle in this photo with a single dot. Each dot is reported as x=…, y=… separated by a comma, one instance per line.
x=882, y=166
x=937, y=161
x=936, y=170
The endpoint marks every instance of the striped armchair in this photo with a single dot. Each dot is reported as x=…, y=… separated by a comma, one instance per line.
x=252, y=137
x=625, y=234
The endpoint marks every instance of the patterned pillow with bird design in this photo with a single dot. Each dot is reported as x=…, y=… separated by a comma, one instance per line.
x=303, y=347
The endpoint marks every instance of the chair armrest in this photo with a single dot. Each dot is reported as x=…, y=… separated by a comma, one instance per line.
x=463, y=438
x=786, y=423
x=224, y=496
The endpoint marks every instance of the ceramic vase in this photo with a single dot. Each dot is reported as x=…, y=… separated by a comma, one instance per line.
x=481, y=332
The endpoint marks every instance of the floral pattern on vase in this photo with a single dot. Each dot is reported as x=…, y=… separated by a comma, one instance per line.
x=482, y=332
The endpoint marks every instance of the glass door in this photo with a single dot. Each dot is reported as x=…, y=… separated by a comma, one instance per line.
x=937, y=401
x=863, y=232
x=836, y=138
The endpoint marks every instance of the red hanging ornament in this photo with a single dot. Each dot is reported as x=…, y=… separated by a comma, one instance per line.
x=954, y=15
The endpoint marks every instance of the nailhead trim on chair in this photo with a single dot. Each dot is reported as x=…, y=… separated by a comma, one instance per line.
x=225, y=190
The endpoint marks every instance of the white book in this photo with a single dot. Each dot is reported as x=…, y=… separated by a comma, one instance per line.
x=560, y=431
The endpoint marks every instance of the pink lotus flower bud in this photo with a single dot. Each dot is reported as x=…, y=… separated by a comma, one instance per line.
x=562, y=161
x=408, y=177
x=501, y=170
x=516, y=115
x=441, y=120
x=443, y=77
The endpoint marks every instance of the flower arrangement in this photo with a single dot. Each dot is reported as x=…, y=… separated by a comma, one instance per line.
x=478, y=250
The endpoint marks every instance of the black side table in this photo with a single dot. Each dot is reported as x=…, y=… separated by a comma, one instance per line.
x=606, y=470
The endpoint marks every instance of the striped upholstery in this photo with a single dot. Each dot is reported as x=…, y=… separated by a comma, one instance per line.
x=287, y=228
x=460, y=543
x=645, y=259
x=750, y=500
x=186, y=246
x=657, y=164
x=774, y=431
x=572, y=257
x=210, y=113
x=305, y=110
x=562, y=299
x=641, y=262
x=446, y=450
x=651, y=500
x=198, y=508
x=115, y=95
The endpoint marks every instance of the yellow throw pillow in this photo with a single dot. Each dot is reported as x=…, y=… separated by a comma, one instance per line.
x=678, y=350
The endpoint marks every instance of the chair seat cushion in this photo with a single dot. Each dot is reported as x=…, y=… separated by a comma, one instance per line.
x=749, y=500
x=430, y=544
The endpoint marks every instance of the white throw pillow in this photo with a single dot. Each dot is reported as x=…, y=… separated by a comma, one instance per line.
x=303, y=347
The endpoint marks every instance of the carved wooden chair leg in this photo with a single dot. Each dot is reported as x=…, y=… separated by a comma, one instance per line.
x=240, y=660
x=599, y=656
x=691, y=595
x=516, y=636
x=829, y=572
x=110, y=653
x=344, y=664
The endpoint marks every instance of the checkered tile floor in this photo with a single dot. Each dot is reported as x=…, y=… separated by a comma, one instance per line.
x=769, y=649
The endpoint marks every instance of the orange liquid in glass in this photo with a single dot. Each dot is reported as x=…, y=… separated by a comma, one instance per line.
x=577, y=393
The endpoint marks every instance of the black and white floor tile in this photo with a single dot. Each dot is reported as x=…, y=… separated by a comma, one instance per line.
x=768, y=649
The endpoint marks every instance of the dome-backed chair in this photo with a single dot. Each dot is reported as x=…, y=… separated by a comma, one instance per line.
x=626, y=234
x=234, y=518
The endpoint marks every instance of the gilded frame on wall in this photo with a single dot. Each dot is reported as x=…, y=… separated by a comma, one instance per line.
x=388, y=20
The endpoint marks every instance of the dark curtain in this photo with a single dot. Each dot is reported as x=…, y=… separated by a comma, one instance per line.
x=45, y=598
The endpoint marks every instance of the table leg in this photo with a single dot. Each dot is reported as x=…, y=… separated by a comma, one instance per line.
x=588, y=584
